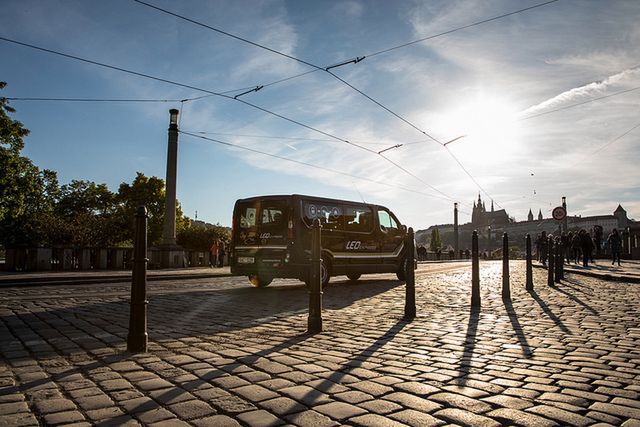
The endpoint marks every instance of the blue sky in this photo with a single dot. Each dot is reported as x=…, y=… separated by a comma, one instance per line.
x=510, y=87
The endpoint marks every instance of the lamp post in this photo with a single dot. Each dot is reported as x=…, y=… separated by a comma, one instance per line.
x=171, y=252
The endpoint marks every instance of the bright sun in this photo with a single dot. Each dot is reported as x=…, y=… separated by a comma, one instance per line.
x=489, y=126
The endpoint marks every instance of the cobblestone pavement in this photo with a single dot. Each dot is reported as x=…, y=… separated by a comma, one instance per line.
x=224, y=354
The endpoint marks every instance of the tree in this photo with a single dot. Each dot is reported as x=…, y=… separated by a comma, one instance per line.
x=200, y=238
x=151, y=193
x=436, y=243
x=27, y=194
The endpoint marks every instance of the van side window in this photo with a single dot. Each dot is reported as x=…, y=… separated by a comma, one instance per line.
x=330, y=216
x=386, y=221
x=272, y=216
x=358, y=219
x=248, y=217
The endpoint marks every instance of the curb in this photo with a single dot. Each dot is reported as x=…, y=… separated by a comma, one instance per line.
x=90, y=280
x=598, y=275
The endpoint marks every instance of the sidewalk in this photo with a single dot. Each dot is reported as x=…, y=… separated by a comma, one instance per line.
x=33, y=278
x=628, y=271
x=554, y=356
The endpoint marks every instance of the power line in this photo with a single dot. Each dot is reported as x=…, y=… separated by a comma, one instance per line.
x=602, y=147
x=444, y=33
x=302, y=61
x=311, y=165
x=148, y=76
x=16, y=98
x=356, y=60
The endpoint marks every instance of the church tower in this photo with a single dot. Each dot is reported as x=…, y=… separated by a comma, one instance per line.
x=540, y=215
x=530, y=216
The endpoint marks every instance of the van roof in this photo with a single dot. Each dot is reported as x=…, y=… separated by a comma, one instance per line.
x=305, y=196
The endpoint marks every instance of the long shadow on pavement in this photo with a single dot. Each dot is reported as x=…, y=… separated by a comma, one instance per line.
x=549, y=313
x=469, y=345
x=517, y=328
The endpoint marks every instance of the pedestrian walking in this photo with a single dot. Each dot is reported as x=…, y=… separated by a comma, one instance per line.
x=615, y=242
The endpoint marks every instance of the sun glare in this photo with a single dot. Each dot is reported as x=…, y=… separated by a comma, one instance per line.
x=489, y=127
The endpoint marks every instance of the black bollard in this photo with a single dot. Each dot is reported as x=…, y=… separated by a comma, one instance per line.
x=559, y=260
x=314, y=322
x=506, y=291
x=410, y=276
x=550, y=261
x=475, y=271
x=137, y=338
x=529, y=283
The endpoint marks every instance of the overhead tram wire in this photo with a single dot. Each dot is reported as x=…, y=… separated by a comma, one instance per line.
x=253, y=150
x=326, y=69
x=464, y=27
x=316, y=67
x=219, y=94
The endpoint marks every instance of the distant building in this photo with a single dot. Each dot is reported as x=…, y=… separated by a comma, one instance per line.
x=481, y=217
x=491, y=224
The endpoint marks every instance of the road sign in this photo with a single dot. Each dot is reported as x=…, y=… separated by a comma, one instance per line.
x=558, y=213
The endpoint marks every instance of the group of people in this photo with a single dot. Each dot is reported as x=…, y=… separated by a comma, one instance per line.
x=217, y=253
x=579, y=245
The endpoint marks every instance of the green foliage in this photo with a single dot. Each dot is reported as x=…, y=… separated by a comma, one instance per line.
x=200, y=238
x=435, y=244
x=26, y=193
x=35, y=210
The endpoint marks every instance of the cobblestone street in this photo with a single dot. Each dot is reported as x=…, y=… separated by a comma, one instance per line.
x=222, y=353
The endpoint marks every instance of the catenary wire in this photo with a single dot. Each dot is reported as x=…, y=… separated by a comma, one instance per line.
x=253, y=150
x=444, y=33
x=326, y=69
x=293, y=121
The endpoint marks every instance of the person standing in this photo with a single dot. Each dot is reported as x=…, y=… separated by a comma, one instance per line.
x=587, y=247
x=544, y=245
x=615, y=242
x=221, y=254
x=213, y=254
x=575, y=246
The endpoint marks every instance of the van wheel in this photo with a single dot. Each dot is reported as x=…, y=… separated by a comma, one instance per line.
x=354, y=276
x=259, y=281
x=402, y=270
x=325, y=272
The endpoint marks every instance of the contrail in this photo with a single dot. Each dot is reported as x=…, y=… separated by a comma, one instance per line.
x=581, y=92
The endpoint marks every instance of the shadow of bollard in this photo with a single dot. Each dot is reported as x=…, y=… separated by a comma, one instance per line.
x=410, y=275
x=314, y=322
x=137, y=338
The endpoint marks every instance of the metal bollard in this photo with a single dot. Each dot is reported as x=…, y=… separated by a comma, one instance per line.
x=559, y=260
x=410, y=276
x=314, y=322
x=560, y=270
x=529, y=283
x=550, y=261
x=475, y=271
x=506, y=291
x=137, y=338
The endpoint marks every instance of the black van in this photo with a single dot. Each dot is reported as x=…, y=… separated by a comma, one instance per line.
x=271, y=238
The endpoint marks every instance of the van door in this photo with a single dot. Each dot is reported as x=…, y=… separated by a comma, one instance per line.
x=360, y=245
x=391, y=236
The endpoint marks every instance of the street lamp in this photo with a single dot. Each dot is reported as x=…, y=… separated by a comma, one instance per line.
x=173, y=117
